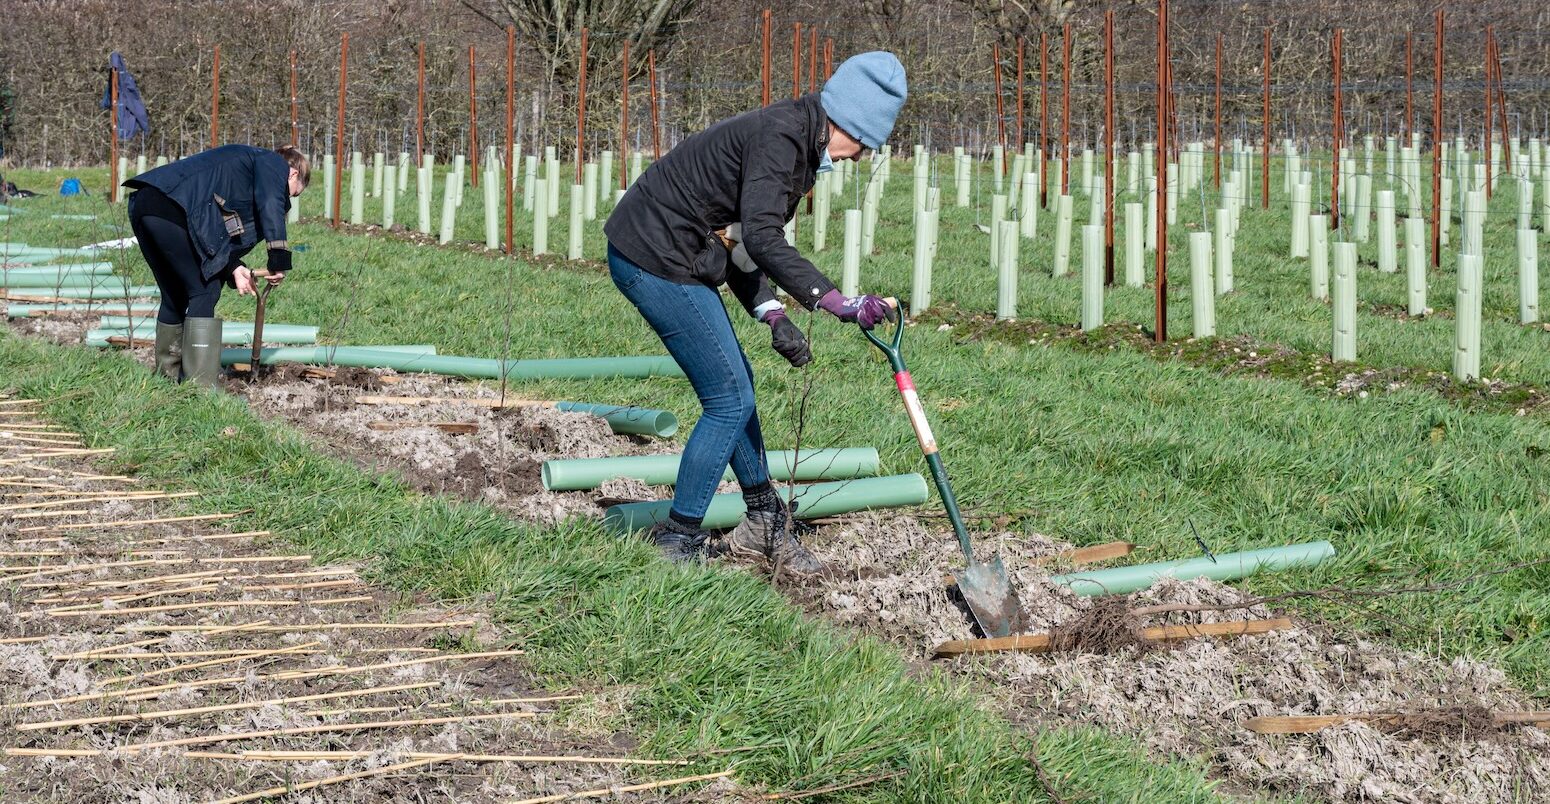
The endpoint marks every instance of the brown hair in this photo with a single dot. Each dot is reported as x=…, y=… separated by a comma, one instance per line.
x=298, y=162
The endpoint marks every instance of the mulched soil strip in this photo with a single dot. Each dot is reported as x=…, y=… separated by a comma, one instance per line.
x=159, y=661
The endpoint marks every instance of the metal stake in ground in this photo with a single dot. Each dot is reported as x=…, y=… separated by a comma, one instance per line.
x=984, y=584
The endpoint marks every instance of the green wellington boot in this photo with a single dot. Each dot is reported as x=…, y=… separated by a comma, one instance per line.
x=169, y=351
x=202, y=350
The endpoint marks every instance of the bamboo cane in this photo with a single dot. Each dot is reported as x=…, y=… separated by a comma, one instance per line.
x=633, y=788
x=131, y=522
x=257, y=654
x=230, y=707
x=304, y=627
x=293, y=788
x=206, y=739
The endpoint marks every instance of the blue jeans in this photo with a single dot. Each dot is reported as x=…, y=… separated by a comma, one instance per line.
x=694, y=326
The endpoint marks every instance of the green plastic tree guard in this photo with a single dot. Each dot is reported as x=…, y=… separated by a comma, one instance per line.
x=627, y=418
x=575, y=474
x=812, y=501
x=230, y=336
x=577, y=368
x=56, y=269
x=100, y=294
x=378, y=356
x=1225, y=567
x=278, y=332
x=25, y=310
x=30, y=279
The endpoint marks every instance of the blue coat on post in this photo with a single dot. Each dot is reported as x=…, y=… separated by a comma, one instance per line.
x=234, y=196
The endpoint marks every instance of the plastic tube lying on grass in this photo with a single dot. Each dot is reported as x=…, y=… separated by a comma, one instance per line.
x=812, y=501
x=575, y=474
x=574, y=368
x=106, y=292
x=627, y=418
x=61, y=269
x=322, y=355
x=1225, y=567
x=26, y=310
x=277, y=332
x=229, y=335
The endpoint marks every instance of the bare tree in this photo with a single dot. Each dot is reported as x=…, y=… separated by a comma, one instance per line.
x=553, y=28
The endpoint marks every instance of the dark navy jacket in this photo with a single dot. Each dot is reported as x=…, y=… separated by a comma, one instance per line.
x=750, y=169
x=132, y=118
x=234, y=196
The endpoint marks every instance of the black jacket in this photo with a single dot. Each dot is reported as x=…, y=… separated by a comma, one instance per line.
x=233, y=195
x=750, y=169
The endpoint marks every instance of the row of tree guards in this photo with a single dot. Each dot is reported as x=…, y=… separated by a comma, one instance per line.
x=1167, y=125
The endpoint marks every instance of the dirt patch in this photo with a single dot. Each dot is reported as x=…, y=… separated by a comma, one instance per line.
x=500, y=463
x=1193, y=698
x=62, y=328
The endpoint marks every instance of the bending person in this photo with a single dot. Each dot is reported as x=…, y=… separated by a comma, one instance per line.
x=668, y=254
x=195, y=220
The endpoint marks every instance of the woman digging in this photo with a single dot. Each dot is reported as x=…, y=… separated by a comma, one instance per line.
x=195, y=220
x=668, y=244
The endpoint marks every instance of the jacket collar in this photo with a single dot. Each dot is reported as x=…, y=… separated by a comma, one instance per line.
x=818, y=124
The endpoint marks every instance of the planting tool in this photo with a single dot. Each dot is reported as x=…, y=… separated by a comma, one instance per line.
x=258, y=327
x=984, y=584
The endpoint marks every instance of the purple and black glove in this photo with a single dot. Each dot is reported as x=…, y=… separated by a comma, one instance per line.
x=867, y=310
x=787, y=339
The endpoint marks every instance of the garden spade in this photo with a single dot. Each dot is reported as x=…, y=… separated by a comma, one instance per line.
x=258, y=328
x=984, y=584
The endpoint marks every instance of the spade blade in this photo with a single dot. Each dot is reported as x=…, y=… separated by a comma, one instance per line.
x=988, y=591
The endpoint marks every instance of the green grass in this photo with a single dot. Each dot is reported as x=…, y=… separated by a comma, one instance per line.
x=716, y=658
x=1408, y=486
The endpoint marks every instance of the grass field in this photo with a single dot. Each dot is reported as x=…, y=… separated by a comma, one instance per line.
x=1089, y=448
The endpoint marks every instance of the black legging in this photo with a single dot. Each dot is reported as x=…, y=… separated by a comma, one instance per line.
x=162, y=229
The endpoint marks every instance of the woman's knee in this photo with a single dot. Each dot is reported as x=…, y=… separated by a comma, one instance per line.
x=730, y=399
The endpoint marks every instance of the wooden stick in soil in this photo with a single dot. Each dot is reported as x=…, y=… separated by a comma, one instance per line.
x=445, y=427
x=304, y=627
x=205, y=739
x=148, y=642
x=257, y=654
x=286, y=789
x=173, y=654
x=632, y=788
x=209, y=537
x=1043, y=643
x=127, y=494
x=212, y=604
x=337, y=756
x=132, y=522
x=231, y=707
x=288, y=675
x=1307, y=724
x=62, y=453
x=37, y=439
x=51, y=514
x=119, y=584
x=83, y=603
x=362, y=710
